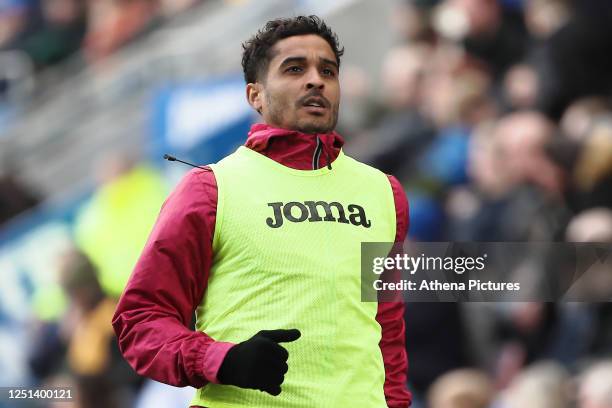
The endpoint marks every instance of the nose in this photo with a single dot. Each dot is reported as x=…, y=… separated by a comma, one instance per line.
x=314, y=80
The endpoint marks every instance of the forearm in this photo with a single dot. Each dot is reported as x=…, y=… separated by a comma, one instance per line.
x=160, y=347
x=154, y=313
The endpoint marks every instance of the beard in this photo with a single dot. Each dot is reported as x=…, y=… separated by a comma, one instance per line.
x=312, y=128
x=279, y=115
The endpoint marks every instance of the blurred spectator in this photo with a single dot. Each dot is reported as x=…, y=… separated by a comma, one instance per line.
x=596, y=386
x=431, y=350
x=522, y=140
x=594, y=225
x=402, y=71
x=520, y=87
x=544, y=385
x=463, y=388
x=545, y=17
x=526, y=331
x=488, y=31
x=112, y=23
x=60, y=33
x=575, y=60
x=455, y=88
x=80, y=349
x=518, y=186
x=113, y=226
x=401, y=131
x=411, y=20
x=592, y=175
x=579, y=118
x=103, y=377
x=456, y=99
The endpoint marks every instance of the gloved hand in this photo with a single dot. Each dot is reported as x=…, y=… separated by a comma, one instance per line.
x=259, y=363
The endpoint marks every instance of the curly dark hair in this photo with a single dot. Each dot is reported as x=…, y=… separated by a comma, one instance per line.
x=256, y=50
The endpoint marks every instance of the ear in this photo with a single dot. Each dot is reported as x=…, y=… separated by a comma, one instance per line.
x=254, y=95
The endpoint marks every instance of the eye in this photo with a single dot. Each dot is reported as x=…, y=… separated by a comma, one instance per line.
x=328, y=72
x=294, y=69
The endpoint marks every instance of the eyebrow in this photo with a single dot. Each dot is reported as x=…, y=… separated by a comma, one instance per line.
x=330, y=62
x=290, y=60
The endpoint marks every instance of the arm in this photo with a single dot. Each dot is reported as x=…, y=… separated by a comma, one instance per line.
x=154, y=313
x=390, y=316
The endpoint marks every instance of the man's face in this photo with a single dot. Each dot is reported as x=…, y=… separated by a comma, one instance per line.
x=301, y=90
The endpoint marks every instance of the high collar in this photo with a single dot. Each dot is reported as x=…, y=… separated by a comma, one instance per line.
x=292, y=148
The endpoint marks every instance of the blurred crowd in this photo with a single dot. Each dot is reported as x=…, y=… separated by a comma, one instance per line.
x=496, y=116
x=37, y=34
x=49, y=31
x=71, y=341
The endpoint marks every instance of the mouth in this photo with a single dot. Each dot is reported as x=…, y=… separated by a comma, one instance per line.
x=315, y=105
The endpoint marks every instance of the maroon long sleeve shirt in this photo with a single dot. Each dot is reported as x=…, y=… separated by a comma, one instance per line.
x=169, y=280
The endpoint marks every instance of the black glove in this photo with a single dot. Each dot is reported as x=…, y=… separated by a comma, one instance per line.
x=259, y=362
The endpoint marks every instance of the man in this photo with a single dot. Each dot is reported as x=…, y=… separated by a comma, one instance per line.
x=264, y=247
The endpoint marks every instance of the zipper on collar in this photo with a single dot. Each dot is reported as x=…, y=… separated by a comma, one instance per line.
x=317, y=154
